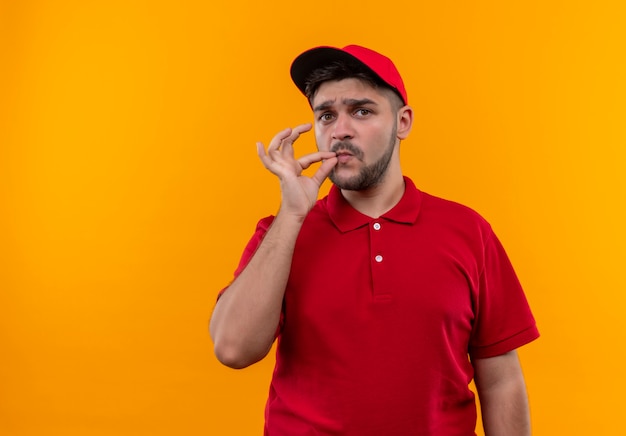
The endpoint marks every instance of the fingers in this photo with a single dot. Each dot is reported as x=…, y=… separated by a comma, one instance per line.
x=260, y=150
x=328, y=159
x=299, y=191
x=307, y=160
x=280, y=152
x=283, y=141
x=324, y=170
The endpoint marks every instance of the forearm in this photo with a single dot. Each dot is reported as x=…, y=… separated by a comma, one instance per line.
x=503, y=398
x=244, y=322
x=505, y=411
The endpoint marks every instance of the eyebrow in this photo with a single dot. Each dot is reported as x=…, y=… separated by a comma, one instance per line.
x=351, y=102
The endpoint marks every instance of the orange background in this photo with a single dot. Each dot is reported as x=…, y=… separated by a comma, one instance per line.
x=129, y=184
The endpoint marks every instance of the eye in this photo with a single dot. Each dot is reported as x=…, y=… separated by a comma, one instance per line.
x=326, y=116
x=362, y=112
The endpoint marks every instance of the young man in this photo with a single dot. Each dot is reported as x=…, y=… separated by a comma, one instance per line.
x=386, y=301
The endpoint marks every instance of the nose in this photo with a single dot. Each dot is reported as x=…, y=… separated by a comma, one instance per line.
x=343, y=128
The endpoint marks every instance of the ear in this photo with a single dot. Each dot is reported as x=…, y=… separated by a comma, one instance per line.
x=405, y=121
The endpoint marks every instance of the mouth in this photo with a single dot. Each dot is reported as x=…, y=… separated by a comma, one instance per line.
x=346, y=151
x=344, y=156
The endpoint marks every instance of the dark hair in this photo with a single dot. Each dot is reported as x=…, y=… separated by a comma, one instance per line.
x=340, y=70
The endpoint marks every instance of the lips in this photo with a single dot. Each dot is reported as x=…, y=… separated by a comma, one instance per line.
x=346, y=150
x=344, y=156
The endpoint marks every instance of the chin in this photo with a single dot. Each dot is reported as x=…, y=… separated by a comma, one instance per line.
x=347, y=183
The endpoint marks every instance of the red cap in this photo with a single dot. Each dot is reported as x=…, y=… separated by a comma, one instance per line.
x=378, y=64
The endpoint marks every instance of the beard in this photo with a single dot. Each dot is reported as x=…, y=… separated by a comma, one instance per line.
x=370, y=175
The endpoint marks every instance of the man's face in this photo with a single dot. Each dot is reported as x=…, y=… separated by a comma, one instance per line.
x=359, y=123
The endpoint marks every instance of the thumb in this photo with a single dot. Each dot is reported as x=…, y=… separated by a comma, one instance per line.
x=324, y=170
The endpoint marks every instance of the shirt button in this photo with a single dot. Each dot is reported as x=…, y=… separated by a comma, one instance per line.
x=378, y=258
x=376, y=226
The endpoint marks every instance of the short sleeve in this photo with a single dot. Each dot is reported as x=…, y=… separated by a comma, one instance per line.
x=503, y=319
x=254, y=242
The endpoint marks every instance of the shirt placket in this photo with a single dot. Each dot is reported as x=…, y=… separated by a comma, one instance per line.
x=378, y=259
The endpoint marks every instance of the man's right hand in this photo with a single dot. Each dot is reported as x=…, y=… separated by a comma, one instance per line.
x=299, y=192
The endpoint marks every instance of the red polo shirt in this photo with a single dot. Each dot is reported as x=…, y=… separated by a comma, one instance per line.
x=381, y=315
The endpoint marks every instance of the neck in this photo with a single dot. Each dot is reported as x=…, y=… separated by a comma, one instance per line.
x=378, y=199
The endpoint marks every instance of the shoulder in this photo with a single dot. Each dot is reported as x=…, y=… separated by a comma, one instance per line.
x=452, y=209
x=428, y=204
x=447, y=217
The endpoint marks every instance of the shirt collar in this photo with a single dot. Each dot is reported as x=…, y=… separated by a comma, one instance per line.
x=347, y=218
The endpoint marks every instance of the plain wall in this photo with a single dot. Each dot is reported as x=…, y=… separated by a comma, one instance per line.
x=129, y=184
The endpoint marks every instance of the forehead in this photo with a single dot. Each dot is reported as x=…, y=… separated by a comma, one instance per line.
x=336, y=91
